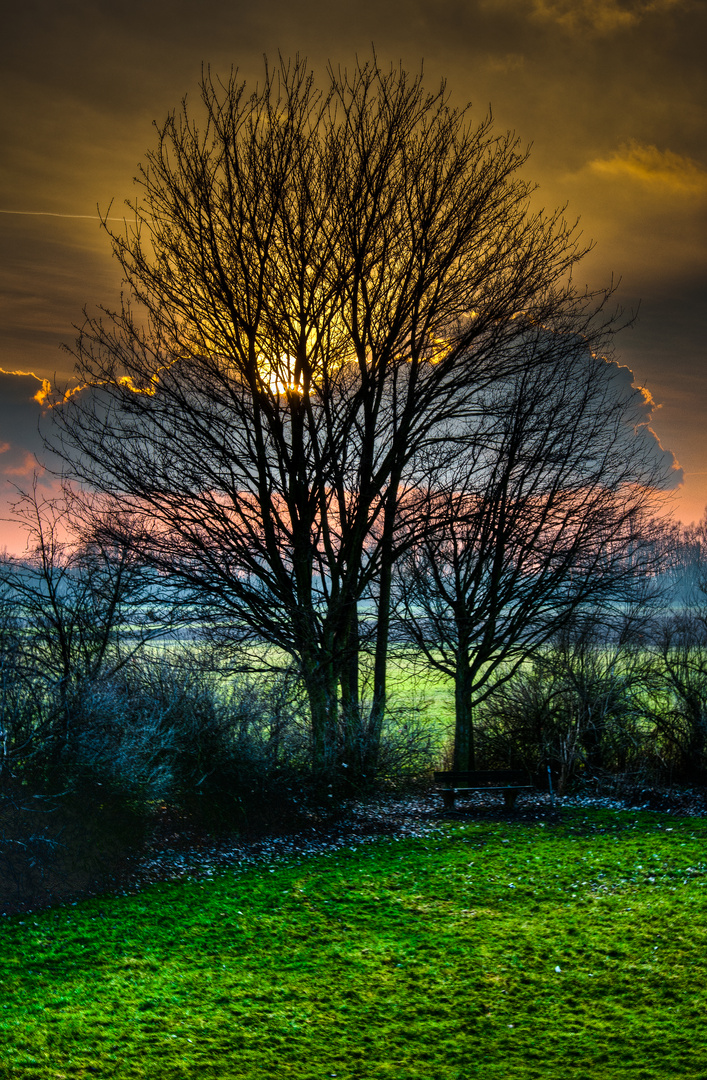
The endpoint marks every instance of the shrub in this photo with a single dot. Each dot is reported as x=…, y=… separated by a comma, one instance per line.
x=679, y=703
x=578, y=707
x=168, y=729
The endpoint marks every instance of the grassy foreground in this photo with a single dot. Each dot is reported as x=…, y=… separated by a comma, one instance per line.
x=490, y=949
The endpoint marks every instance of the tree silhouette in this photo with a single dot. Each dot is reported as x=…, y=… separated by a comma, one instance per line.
x=550, y=512
x=321, y=286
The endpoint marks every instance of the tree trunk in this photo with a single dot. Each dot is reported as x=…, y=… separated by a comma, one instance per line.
x=380, y=666
x=350, y=703
x=321, y=687
x=463, y=726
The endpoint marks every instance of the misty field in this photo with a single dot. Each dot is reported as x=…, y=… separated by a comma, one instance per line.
x=487, y=949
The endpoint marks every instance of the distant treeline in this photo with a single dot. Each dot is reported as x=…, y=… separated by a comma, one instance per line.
x=95, y=684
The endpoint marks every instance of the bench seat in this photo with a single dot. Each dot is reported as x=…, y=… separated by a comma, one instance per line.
x=508, y=781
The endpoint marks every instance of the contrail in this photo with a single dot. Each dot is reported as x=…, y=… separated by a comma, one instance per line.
x=49, y=213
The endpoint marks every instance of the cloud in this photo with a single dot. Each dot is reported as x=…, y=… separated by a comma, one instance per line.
x=21, y=387
x=22, y=453
x=20, y=441
x=639, y=408
x=599, y=16
x=505, y=63
x=654, y=168
x=25, y=468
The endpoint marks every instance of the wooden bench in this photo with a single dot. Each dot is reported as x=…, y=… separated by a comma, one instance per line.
x=507, y=781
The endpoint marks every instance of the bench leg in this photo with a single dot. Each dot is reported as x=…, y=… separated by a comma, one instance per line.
x=509, y=798
x=449, y=797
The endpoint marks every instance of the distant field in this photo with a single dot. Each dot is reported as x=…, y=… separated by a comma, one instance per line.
x=491, y=949
x=413, y=688
x=423, y=692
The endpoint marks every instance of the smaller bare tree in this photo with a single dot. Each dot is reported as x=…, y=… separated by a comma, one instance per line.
x=82, y=608
x=547, y=512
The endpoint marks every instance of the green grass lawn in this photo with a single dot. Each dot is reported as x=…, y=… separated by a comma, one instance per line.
x=490, y=949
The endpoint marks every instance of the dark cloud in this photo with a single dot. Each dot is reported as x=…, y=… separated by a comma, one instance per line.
x=23, y=460
x=641, y=439
x=19, y=415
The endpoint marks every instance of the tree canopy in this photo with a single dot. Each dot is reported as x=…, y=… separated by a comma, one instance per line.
x=323, y=288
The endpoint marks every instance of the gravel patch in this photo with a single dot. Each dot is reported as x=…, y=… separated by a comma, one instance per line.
x=177, y=855
x=361, y=822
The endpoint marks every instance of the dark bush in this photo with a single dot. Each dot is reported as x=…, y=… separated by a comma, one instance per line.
x=678, y=669
x=579, y=707
x=169, y=730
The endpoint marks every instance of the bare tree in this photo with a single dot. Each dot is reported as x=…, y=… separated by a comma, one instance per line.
x=82, y=608
x=320, y=287
x=548, y=513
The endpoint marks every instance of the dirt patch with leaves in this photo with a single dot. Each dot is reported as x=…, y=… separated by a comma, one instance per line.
x=57, y=849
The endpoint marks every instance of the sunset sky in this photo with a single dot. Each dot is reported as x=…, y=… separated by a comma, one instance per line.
x=612, y=94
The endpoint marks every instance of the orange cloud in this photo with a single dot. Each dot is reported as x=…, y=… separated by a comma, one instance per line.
x=600, y=16
x=41, y=396
x=126, y=380
x=505, y=63
x=27, y=467
x=46, y=397
x=659, y=169
x=45, y=387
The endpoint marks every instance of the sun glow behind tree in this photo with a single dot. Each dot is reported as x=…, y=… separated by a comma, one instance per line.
x=324, y=293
